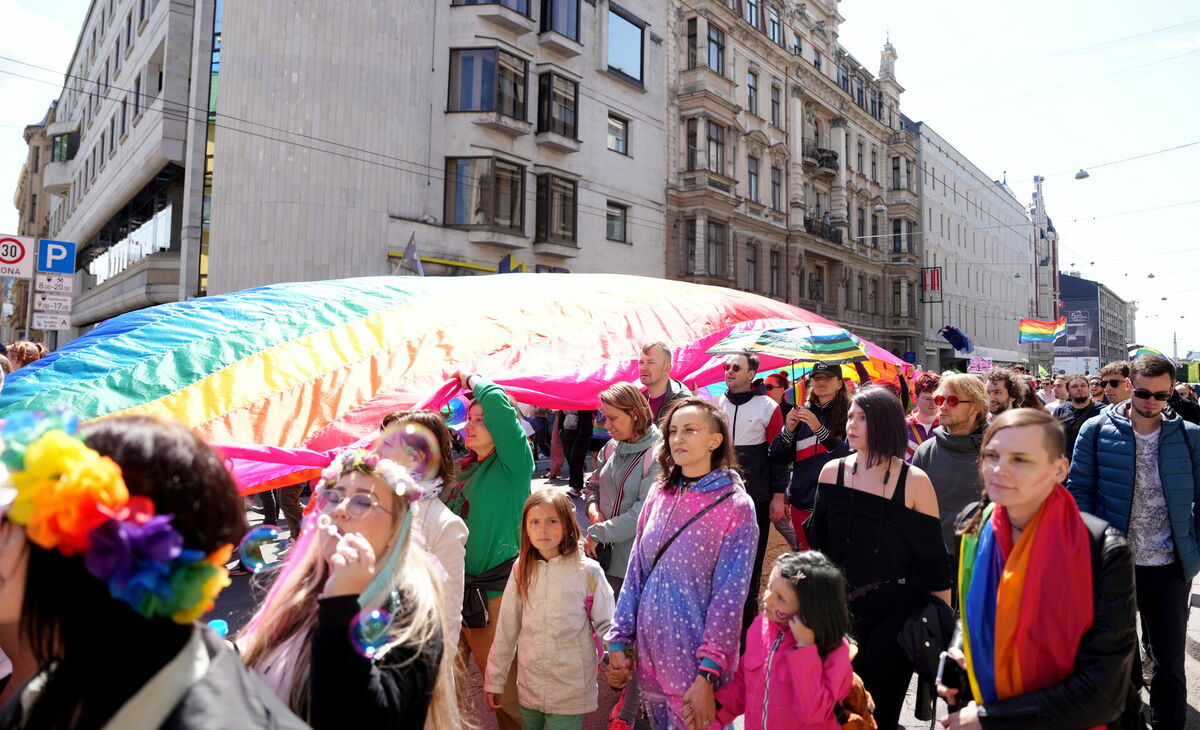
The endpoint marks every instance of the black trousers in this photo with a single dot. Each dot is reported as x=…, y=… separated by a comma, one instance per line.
x=1162, y=598
x=762, y=515
x=883, y=666
x=575, y=448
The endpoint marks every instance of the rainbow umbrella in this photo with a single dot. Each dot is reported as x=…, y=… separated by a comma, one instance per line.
x=296, y=370
x=812, y=343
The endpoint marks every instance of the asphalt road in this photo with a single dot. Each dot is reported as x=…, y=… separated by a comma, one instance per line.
x=237, y=602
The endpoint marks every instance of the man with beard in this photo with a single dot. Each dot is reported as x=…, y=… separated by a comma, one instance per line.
x=654, y=370
x=1077, y=411
x=1004, y=390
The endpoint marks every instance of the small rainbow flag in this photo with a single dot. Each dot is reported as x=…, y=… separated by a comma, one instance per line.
x=1035, y=330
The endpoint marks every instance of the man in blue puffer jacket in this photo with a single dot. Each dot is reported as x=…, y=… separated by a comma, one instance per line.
x=1139, y=469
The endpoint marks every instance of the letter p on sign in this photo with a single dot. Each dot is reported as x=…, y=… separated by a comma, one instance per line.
x=56, y=257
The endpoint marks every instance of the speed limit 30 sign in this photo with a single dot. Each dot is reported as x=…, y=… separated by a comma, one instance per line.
x=16, y=256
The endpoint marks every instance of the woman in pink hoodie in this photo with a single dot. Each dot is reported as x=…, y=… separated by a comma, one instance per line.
x=796, y=668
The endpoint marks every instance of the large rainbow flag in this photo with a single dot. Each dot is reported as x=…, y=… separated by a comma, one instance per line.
x=291, y=371
x=1035, y=330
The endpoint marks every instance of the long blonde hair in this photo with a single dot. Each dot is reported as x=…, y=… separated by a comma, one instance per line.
x=290, y=609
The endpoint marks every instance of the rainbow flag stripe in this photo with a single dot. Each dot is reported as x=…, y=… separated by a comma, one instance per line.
x=1035, y=330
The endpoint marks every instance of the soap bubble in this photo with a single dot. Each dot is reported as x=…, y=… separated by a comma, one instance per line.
x=369, y=632
x=259, y=549
x=454, y=413
x=412, y=446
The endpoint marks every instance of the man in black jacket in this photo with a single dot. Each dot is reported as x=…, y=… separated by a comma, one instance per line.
x=1077, y=410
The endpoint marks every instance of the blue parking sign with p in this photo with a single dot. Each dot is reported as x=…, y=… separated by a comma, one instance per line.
x=56, y=257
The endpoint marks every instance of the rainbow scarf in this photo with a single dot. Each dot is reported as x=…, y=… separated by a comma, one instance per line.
x=1036, y=330
x=1025, y=607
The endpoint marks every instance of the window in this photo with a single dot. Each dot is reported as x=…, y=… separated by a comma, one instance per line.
x=774, y=28
x=693, y=144
x=897, y=299
x=895, y=173
x=777, y=188
x=752, y=12
x=752, y=178
x=858, y=165
x=796, y=47
x=776, y=107
x=116, y=56
x=124, y=115
x=874, y=166
x=561, y=16
x=618, y=222
x=555, y=209
x=716, y=49
x=129, y=30
x=773, y=284
x=558, y=99
x=714, y=239
x=624, y=45
x=618, y=134
x=752, y=92
x=862, y=293
x=816, y=59
x=752, y=267
x=112, y=134
x=844, y=78
x=897, y=235
x=137, y=97
x=521, y=6
x=689, y=246
x=141, y=10
x=33, y=207
x=874, y=231
x=874, y=294
x=692, y=40
x=103, y=147
x=716, y=148
x=36, y=163
x=60, y=148
x=862, y=222
x=487, y=79
x=858, y=92
x=484, y=192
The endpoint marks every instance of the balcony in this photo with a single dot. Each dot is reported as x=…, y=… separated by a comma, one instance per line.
x=560, y=44
x=701, y=83
x=699, y=180
x=821, y=229
x=556, y=249
x=557, y=142
x=501, y=123
x=827, y=162
x=902, y=258
x=902, y=198
x=904, y=138
x=56, y=177
x=509, y=15
x=498, y=237
x=896, y=322
x=808, y=153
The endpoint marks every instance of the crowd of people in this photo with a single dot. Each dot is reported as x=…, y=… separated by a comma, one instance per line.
x=1021, y=530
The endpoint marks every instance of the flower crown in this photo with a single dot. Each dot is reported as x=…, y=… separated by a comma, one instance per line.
x=71, y=499
x=371, y=463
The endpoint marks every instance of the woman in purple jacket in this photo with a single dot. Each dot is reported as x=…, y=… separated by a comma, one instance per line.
x=679, y=617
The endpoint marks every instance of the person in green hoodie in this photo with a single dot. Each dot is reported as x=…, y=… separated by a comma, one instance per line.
x=494, y=482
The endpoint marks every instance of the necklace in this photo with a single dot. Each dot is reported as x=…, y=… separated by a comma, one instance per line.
x=887, y=474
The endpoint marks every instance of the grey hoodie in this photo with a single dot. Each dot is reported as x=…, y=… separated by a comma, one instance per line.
x=952, y=463
x=602, y=487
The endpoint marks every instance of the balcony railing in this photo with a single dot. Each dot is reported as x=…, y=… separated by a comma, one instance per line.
x=903, y=136
x=827, y=161
x=821, y=229
x=809, y=152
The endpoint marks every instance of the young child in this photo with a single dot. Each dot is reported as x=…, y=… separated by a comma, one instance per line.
x=796, y=667
x=556, y=599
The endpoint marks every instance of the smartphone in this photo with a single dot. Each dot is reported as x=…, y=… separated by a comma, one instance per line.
x=941, y=666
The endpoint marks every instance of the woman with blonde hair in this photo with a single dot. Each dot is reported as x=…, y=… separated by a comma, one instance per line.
x=352, y=575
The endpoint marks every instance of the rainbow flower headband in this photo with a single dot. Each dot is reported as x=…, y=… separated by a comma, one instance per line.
x=71, y=499
x=371, y=463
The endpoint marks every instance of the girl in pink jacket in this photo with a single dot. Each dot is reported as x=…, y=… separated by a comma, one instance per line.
x=796, y=667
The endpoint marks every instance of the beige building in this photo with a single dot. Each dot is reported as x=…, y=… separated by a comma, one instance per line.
x=33, y=219
x=790, y=171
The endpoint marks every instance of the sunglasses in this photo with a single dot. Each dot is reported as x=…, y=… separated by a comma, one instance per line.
x=948, y=400
x=773, y=387
x=1115, y=383
x=356, y=505
x=1147, y=395
x=735, y=368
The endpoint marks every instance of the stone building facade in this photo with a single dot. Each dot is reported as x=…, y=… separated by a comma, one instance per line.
x=789, y=170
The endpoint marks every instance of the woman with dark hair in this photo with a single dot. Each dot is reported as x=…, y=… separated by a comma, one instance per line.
x=443, y=533
x=679, y=615
x=1029, y=552
x=877, y=517
x=812, y=435
x=112, y=548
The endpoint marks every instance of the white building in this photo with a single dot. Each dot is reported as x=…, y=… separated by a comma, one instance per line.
x=981, y=238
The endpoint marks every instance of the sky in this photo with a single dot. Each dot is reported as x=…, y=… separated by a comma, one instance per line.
x=1021, y=88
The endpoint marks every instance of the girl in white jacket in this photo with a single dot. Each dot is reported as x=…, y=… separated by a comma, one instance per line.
x=556, y=602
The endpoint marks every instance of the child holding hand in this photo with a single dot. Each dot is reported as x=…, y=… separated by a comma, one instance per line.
x=796, y=667
x=556, y=601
